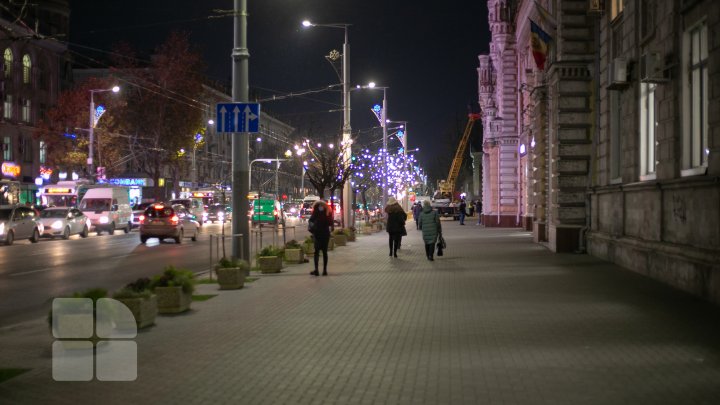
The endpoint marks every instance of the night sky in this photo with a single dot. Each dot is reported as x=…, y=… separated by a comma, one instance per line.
x=425, y=52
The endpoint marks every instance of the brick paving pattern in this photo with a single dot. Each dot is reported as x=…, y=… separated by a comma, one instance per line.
x=498, y=320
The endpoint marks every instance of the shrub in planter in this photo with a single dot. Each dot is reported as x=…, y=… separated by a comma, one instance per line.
x=294, y=252
x=269, y=259
x=174, y=288
x=140, y=300
x=231, y=273
x=309, y=245
x=340, y=237
x=350, y=233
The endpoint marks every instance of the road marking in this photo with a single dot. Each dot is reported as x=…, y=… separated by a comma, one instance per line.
x=31, y=272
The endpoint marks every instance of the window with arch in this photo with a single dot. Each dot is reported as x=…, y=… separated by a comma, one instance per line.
x=8, y=58
x=27, y=68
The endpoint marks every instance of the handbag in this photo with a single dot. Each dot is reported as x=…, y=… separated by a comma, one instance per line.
x=312, y=226
x=440, y=245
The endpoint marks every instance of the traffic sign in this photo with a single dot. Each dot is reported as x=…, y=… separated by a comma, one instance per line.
x=238, y=117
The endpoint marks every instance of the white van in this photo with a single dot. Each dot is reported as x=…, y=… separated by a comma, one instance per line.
x=108, y=209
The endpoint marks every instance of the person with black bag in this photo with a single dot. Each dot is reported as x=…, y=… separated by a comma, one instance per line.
x=319, y=225
x=396, y=217
x=430, y=225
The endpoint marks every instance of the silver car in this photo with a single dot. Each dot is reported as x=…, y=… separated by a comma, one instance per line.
x=64, y=222
x=19, y=223
x=168, y=221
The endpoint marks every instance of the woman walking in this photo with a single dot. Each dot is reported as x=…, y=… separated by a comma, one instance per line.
x=430, y=225
x=396, y=218
x=319, y=225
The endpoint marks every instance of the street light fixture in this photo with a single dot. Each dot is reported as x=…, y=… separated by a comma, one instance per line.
x=94, y=118
x=383, y=123
x=347, y=212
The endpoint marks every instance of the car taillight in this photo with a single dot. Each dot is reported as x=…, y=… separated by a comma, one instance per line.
x=174, y=219
x=142, y=219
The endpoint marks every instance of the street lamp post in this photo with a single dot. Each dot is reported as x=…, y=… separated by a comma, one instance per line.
x=91, y=130
x=383, y=123
x=347, y=211
x=266, y=160
x=240, y=142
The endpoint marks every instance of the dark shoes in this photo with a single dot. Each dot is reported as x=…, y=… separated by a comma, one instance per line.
x=431, y=259
x=324, y=273
x=315, y=273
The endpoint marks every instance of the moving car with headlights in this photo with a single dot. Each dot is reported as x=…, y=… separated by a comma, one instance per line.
x=194, y=206
x=168, y=221
x=266, y=211
x=108, y=209
x=218, y=212
x=292, y=210
x=64, y=222
x=18, y=222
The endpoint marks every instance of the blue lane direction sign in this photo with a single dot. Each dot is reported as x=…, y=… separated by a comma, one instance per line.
x=238, y=117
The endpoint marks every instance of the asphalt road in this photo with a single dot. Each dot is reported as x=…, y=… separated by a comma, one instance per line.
x=32, y=274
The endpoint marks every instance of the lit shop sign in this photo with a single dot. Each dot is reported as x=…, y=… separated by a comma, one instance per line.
x=10, y=169
x=128, y=182
x=201, y=194
x=52, y=190
x=45, y=172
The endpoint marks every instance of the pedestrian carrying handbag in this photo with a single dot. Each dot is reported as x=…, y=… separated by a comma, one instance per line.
x=440, y=245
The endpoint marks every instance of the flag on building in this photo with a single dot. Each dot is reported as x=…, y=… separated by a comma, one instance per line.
x=539, y=42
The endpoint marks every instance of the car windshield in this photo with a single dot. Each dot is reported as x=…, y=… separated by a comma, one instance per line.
x=95, y=204
x=216, y=208
x=5, y=214
x=53, y=214
x=186, y=203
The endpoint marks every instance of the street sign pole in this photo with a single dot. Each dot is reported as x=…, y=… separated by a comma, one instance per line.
x=240, y=142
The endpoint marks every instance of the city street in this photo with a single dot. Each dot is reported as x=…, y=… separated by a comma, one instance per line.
x=496, y=320
x=32, y=274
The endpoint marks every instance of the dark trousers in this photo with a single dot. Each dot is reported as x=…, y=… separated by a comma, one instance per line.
x=429, y=250
x=394, y=240
x=417, y=222
x=321, y=244
x=462, y=218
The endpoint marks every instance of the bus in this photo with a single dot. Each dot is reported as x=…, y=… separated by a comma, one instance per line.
x=62, y=194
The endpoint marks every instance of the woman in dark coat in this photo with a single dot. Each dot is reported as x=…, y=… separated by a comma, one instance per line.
x=321, y=222
x=396, y=217
x=430, y=225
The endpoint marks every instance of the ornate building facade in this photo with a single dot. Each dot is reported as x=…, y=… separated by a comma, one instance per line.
x=612, y=148
x=34, y=67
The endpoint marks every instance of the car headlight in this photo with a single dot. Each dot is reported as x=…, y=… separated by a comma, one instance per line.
x=104, y=219
x=2, y=228
x=57, y=225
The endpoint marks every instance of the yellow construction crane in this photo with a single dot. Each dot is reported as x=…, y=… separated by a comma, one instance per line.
x=447, y=187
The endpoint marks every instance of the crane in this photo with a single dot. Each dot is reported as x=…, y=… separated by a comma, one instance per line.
x=447, y=187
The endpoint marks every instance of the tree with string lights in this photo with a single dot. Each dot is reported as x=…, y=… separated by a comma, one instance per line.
x=327, y=168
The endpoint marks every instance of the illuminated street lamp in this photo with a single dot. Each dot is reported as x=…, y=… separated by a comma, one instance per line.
x=95, y=115
x=347, y=212
x=382, y=117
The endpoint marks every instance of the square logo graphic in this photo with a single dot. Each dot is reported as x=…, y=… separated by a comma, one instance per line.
x=93, y=340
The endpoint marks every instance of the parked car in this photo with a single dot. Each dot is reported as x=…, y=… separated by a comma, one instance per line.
x=137, y=210
x=218, y=212
x=18, y=222
x=265, y=211
x=194, y=206
x=63, y=222
x=168, y=221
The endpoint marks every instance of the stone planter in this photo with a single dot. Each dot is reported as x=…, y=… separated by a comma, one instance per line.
x=294, y=256
x=230, y=278
x=379, y=226
x=309, y=248
x=143, y=309
x=366, y=229
x=351, y=237
x=340, y=240
x=331, y=243
x=172, y=300
x=270, y=264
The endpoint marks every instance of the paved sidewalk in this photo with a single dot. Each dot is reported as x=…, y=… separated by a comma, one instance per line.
x=498, y=320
